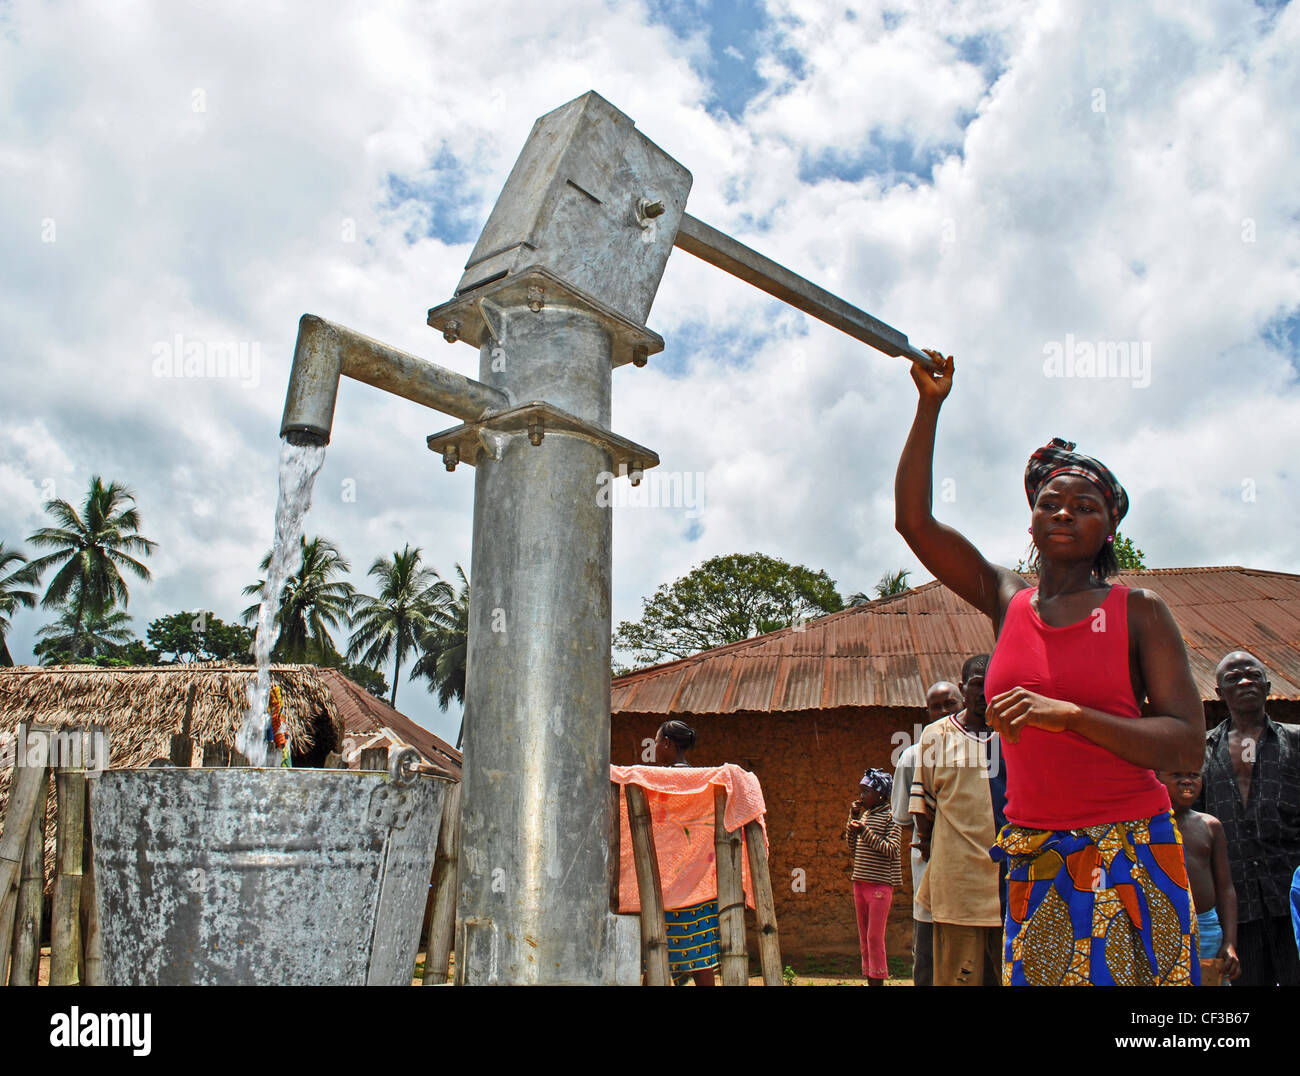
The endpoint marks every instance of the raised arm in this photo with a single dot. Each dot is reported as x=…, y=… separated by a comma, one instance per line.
x=946, y=553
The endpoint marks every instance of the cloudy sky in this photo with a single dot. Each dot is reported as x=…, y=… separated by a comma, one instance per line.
x=1022, y=184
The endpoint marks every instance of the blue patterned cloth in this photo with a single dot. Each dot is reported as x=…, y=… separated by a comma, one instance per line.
x=692, y=939
x=1105, y=905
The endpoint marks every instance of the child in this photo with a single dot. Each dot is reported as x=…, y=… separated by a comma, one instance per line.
x=1206, y=851
x=874, y=840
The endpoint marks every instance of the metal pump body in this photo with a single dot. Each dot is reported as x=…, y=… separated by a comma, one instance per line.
x=555, y=295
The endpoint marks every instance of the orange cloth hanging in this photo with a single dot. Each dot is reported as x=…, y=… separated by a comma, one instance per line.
x=681, y=809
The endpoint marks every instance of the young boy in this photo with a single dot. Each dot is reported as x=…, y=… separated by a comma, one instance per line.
x=1206, y=850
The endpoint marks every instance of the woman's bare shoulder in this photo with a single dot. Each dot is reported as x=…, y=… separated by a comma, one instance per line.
x=1148, y=611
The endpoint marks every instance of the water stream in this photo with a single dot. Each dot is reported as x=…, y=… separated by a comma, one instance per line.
x=299, y=465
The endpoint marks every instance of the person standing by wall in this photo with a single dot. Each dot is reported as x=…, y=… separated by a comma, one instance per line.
x=952, y=805
x=693, y=945
x=1205, y=848
x=873, y=838
x=943, y=698
x=1252, y=785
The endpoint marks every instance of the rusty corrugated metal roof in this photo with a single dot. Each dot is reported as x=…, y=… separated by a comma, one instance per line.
x=887, y=652
x=366, y=717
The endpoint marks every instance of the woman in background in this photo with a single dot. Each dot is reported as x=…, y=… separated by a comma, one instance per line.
x=693, y=947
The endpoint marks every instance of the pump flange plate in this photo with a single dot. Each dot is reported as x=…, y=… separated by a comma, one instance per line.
x=473, y=316
x=461, y=444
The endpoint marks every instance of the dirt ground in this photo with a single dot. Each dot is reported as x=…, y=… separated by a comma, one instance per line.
x=823, y=973
x=818, y=973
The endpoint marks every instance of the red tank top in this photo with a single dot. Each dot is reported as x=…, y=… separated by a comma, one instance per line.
x=1060, y=780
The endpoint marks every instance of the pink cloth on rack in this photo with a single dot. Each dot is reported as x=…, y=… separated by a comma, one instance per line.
x=681, y=809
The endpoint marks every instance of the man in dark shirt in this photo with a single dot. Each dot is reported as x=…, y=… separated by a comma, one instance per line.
x=1252, y=785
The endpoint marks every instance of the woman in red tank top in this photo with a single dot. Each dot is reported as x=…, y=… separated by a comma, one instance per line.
x=1097, y=885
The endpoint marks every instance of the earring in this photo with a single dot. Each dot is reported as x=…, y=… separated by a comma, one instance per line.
x=1031, y=530
x=1110, y=538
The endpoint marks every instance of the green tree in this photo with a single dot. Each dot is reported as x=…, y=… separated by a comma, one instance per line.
x=77, y=638
x=199, y=636
x=14, y=594
x=724, y=600
x=405, y=609
x=313, y=602
x=445, y=649
x=1129, y=556
x=89, y=548
x=367, y=678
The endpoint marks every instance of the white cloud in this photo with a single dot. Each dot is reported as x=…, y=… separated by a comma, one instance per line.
x=1048, y=216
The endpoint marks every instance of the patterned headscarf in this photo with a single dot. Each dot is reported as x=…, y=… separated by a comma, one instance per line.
x=1060, y=458
x=881, y=781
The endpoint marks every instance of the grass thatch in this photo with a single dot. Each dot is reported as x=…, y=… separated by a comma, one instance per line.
x=140, y=709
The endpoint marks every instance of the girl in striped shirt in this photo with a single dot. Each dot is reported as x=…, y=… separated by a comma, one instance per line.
x=874, y=840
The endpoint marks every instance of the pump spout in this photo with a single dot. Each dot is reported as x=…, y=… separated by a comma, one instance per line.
x=325, y=352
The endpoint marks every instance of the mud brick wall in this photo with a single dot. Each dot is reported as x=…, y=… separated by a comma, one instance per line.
x=809, y=764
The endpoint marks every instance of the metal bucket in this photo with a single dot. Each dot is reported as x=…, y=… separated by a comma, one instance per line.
x=263, y=876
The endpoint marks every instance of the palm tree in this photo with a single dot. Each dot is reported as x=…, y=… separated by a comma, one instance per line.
x=11, y=597
x=77, y=634
x=445, y=650
x=892, y=583
x=312, y=603
x=394, y=622
x=89, y=548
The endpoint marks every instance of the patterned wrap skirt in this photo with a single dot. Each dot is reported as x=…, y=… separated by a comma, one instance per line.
x=692, y=939
x=1105, y=905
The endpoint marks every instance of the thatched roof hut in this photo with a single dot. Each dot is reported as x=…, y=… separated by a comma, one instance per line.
x=141, y=708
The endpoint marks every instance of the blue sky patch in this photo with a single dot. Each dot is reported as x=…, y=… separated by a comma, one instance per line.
x=890, y=158
x=738, y=32
x=695, y=341
x=985, y=51
x=1283, y=333
x=448, y=209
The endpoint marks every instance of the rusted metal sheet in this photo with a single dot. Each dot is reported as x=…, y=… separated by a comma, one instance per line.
x=705, y=686
x=754, y=682
x=803, y=684
x=654, y=694
x=888, y=652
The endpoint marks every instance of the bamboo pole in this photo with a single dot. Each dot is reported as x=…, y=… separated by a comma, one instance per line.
x=25, y=964
x=24, y=792
x=769, y=945
x=615, y=841
x=182, y=748
x=216, y=754
x=91, y=943
x=654, y=931
x=442, y=924
x=65, y=941
x=731, y=896
x=8, y=924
